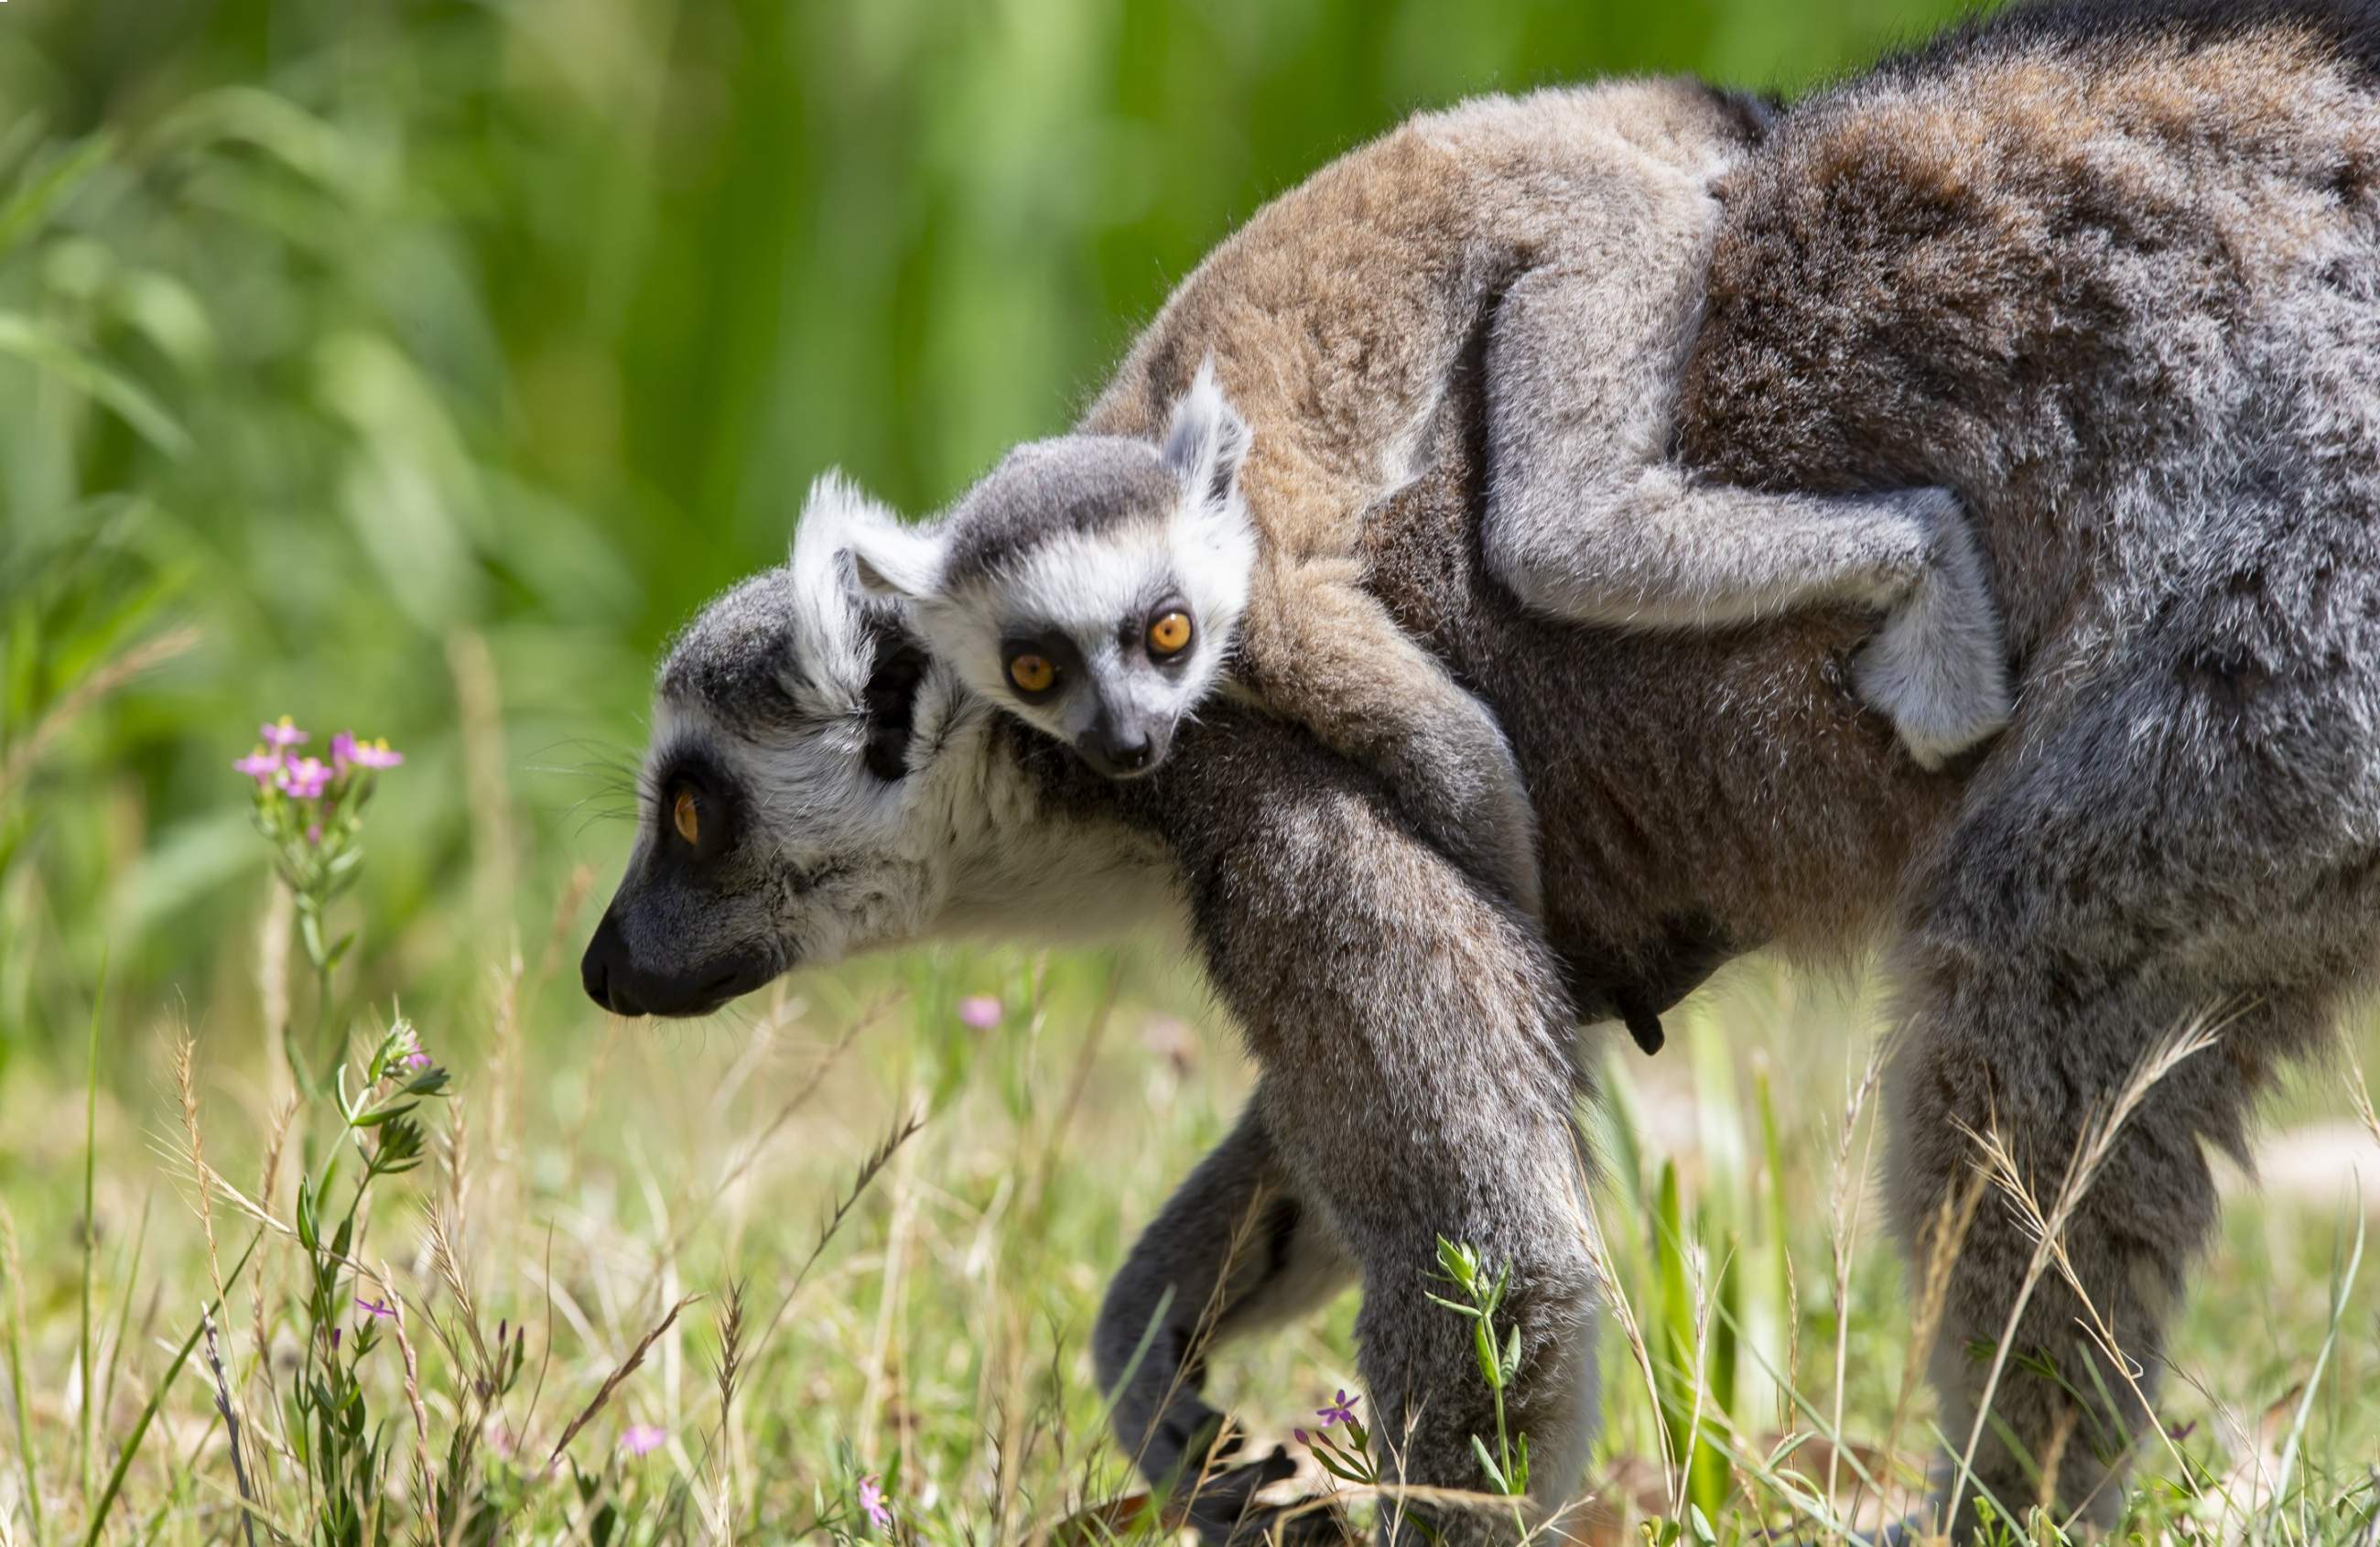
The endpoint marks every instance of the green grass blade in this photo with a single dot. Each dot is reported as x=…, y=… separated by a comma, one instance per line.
x=31, y=206
x=26, y=1446
x=2322, y=1358
x=89, y=1223
x=123, y=1458
x=130, y=1276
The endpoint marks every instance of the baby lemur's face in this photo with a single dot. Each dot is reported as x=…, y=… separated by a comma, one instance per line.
x=1089, y=584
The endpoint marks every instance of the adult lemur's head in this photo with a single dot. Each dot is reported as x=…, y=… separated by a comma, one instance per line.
x=816, y=785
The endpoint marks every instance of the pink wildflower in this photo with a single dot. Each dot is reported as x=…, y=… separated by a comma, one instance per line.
x=259, y=765
x=1341, y=1410
x=643, y=1439
x=282, y=734
x=305, y=778
x=980, y=1011
x=871, y=1499
x=379, y=1310
x=348, y=752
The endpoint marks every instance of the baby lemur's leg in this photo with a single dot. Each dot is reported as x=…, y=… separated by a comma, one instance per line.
x=1232, y=1251
x=1320, y=650
x=1588, y=519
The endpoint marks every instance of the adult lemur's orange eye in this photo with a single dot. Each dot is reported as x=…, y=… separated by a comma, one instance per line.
x=1032, y=674
x=688, y=818
x=1169, y=635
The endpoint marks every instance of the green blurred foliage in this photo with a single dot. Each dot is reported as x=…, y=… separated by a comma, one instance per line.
x=377, y=340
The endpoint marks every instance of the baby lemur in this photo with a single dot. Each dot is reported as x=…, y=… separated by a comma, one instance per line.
x=1095, y=584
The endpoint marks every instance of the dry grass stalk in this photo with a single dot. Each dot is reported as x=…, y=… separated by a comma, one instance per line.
x=1945, y=1234
x=143, y=657
x=231, y=1421
x=480, y=698
x=1615, y=1298
x=724, y=1372
x=749, y=1154
x=876, y=1159
x=879, y=1364
x=28, y=1452
x=612, y=1383
x=425, y=1478
x=185, y=1088
x=268, y=1180
x=273, y=935
x=1847, y=1203
x=2047, y=1228
x=2359, y=1094
x=447, y=1261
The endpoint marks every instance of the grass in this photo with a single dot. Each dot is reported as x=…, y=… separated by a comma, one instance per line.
x=839, y=1239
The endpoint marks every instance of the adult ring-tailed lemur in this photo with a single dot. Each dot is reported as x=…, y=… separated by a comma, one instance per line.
x=2110, y=272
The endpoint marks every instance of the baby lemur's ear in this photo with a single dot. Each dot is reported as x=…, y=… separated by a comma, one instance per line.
x=891, y=557
x=1207, y=440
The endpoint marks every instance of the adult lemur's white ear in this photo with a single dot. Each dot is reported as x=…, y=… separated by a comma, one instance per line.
x=832, y=643
x=1207, y=440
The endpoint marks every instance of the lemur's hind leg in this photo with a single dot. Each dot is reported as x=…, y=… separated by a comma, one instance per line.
x=1588, y=519
x=2181, y=845
x=1235, y=1249
x=1320, y=650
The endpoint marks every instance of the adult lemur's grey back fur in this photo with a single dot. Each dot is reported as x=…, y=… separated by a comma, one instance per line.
x=2113, y=273
x=2109, y=272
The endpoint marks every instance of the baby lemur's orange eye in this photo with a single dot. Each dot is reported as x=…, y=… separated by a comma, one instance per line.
x=1169, y=635
x=1032, y=674
x=688, y=818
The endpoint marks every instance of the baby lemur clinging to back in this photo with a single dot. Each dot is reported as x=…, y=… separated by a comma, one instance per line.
x=1095, y=583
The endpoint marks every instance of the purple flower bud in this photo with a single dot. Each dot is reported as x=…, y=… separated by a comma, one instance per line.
x=1301, y=1436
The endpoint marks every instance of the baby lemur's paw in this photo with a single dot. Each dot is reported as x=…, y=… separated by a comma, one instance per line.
x=1487, y=825
x=1938, y=667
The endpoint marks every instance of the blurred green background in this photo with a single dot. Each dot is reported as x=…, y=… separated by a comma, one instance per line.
x=419, y=367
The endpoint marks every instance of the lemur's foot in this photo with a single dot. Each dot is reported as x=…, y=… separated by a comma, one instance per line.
x=1938, y=667
x=1225, y=1513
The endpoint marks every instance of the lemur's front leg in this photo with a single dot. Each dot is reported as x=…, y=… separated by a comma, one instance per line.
x=1417, y=1049
x=1235, y=1249
x=1586, y=519
x=1319, y=649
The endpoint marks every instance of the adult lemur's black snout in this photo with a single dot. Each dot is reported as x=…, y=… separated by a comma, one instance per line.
x=616, y=981
x=596, y=969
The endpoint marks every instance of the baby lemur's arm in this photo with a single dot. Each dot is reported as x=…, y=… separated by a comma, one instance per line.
x=1588, y=519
